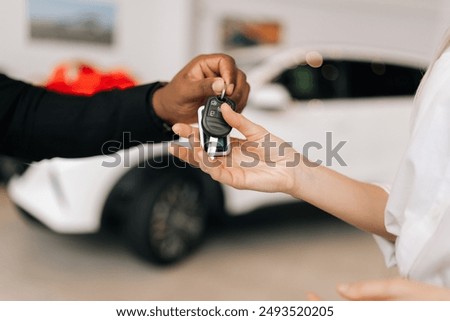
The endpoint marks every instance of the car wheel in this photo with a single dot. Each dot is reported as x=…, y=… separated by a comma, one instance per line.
x=167, y=217
x=9, y=167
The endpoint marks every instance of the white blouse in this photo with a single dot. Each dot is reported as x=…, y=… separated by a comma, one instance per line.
x=418, y=209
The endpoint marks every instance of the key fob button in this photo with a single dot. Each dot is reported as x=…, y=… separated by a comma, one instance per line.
x=213, y=122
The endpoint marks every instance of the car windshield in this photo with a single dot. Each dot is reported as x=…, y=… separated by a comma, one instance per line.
x=349, y=79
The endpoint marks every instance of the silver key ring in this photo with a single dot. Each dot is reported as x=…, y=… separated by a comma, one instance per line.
x=223, y=91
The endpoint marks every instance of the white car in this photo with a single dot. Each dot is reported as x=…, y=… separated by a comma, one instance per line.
x=347, y=108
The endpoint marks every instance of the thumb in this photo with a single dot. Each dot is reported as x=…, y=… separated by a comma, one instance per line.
x=218, y=86
x=373, y=290
x=249, y=129
x=311, y=296
x=207, y=87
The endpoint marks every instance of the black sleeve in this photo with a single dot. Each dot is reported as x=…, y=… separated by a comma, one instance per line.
x=36, y=123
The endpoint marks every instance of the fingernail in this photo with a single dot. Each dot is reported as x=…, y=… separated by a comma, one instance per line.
x=217, y=85
x=174, y=129
x=225, y=105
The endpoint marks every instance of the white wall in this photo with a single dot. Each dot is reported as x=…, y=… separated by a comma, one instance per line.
x=155, y=38
x=152, y=41
x=415, y=25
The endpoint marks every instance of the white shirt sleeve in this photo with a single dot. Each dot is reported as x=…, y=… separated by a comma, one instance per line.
x=418, y=208
x=387, y=247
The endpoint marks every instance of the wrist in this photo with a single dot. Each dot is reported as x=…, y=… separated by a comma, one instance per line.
x=301, y=175
x=157, y=110
x=158, y=105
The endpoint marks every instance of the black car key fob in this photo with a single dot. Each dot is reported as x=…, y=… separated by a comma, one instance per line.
x=213, y=123
x=214, y=130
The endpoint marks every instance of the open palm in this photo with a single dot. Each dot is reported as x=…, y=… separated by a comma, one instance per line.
x=260, y=162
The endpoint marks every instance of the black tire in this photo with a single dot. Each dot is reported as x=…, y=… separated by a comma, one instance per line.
x=167, y=216
x=9, y=167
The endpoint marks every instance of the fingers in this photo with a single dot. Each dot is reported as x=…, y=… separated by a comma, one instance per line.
x=208, y=87
x=240, y=95
x=311, y=296
x=184, y=130
x=212, y=72
x=191, y=152
x=215, y=86
x=223, y=66
x=393, y=289
x=237, y=88
x=390, y=289
x=195, y=155
x=186, y=150
x=363, y=291
x=218, y=85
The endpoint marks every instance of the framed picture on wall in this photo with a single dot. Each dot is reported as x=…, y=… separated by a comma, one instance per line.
x=247, y=33
x=86, y=21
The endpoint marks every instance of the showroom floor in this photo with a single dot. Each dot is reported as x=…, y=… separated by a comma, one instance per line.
x=279, y=256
